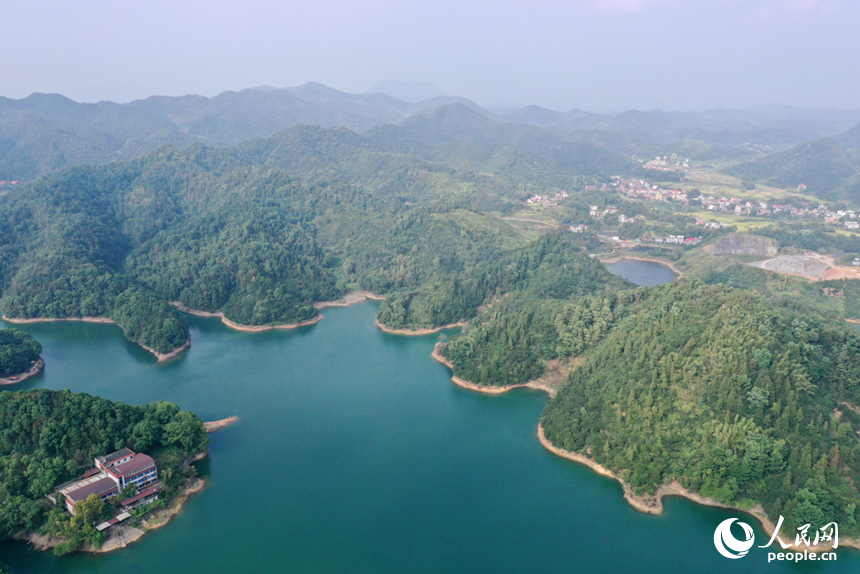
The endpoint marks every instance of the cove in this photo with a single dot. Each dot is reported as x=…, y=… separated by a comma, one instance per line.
x=355, y=453
x=642, y=273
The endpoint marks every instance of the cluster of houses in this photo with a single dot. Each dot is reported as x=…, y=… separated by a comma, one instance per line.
x=711, y=224
x=595, y=212
x=639, y=189
x=8, y=184
x=110, y=476
x=547, y=200
x=674, y=240
x=627, y=243
x=672, y=162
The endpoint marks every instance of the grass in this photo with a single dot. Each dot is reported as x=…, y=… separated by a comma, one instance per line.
x=712, y=182
x=739, y=221
x=512, y=236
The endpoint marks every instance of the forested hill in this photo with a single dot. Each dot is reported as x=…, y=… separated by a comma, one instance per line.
x=738, y=398
x=17, y=351
x=827, y=169
x=260, y=232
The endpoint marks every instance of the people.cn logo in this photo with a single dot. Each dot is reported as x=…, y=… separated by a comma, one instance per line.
x=727, y=544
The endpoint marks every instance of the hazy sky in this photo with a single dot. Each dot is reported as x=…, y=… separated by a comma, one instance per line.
x=598, y=55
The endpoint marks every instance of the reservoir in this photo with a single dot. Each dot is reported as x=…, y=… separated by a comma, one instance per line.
x=642, y=273
x=355, y=453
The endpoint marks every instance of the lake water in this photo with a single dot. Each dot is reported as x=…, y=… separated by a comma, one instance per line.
x=355, y=453
x=643, y=273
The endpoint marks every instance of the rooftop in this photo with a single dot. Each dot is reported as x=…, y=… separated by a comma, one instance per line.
x=121, y=453
x=84, y=488
x=143, y=494
x=140, y=461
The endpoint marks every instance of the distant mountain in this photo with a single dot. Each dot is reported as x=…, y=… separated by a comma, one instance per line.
x=44, y=132
x=824, y=166
x=408, y=91
x=850, y=140
x=562, y=121
x=437, y=133
x=775, y=126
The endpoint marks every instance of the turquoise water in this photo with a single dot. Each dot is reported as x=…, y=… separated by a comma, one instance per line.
x=644, y=273
x=355, y=453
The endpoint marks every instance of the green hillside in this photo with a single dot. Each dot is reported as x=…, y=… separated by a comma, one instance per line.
x=827, y=170
x=738, y=398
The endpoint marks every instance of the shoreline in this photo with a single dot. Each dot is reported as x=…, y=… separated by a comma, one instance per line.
x=161, y=357
x=213, y=426
x=351, y=298
x=163, y=517
x=37, y=368
x=240, y=326
x=124, y=534
x=654, y=504
x=536, y=384
x=671, y=265
x=417, y=332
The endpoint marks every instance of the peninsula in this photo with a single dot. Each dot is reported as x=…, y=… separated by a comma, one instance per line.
x=54, y=480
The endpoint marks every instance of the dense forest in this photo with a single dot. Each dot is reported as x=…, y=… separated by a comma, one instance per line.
x=263, y=230
x=737, y=397
x=561, y=303
x=17, y=351
x=49, y=437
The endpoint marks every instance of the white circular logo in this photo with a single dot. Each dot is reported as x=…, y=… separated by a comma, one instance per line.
x=727, y=544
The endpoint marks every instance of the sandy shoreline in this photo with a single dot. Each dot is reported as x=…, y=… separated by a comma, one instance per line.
x=351, y=298
x=536, y=384
x=411, y=332
x=59, y=319
x=241, y=327
x=654, y=505
x=213, y=426
x=37, y=368
x=666, y=262
x=162, y=517
x=105, y=321
x=162, y=357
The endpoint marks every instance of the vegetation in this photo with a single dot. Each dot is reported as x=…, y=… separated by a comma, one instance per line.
x=827, y=170
x=743, y=397
x=17, y=351
x=736, y=397
x=547, y=313
x=49, y=437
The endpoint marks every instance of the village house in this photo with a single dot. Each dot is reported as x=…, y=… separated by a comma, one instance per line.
x=112, y=473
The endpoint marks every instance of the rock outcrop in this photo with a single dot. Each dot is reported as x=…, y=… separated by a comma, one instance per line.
x=742, y=244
